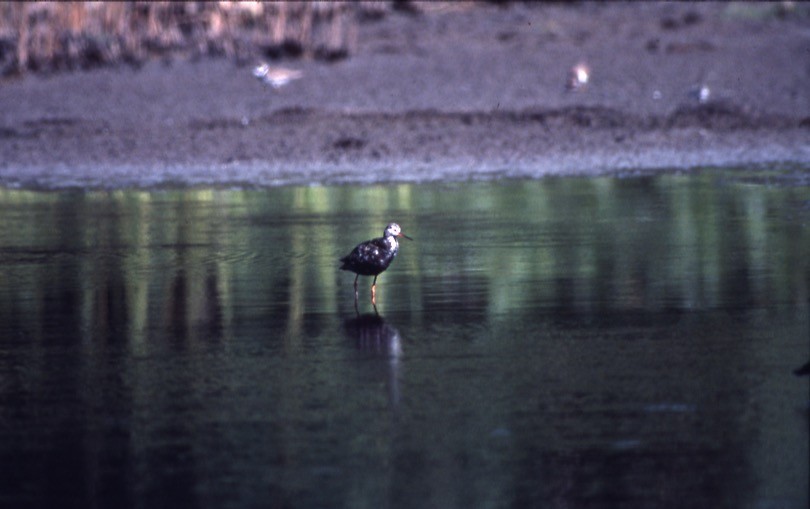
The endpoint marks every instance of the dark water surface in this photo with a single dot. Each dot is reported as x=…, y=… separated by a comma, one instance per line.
x=608, y=342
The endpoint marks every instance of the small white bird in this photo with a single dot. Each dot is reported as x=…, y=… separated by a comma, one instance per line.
x=578, y=77
x=276, y=77
x=701, y=93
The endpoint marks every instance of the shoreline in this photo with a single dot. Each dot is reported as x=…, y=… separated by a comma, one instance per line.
x=593, y=155
x=247, y=176
x=479, y=94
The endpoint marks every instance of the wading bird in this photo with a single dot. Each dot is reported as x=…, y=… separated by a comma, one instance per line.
x=372, y=257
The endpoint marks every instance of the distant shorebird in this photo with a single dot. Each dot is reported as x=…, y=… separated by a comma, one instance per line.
x=578, y=77
x=372, y=257
x=700, y=93
x=276, y=77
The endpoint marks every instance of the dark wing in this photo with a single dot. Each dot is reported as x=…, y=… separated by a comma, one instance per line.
x=368, y=258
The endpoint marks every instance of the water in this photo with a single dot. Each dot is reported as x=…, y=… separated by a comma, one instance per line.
x=563, y=342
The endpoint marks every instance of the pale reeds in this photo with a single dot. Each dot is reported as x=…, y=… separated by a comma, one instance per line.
x=52, y=36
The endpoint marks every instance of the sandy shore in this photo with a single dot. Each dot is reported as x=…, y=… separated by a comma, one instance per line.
x=459, y=92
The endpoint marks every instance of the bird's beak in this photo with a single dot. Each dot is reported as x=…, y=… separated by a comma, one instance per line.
x=403, y=235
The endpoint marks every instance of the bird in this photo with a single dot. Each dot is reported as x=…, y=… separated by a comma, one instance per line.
x=578, y=77
x=276, y=77
x=372, y=257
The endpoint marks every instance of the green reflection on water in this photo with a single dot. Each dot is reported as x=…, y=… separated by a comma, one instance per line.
x=196, y=257
x=542, y=309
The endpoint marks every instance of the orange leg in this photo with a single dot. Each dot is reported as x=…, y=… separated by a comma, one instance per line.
x=374, y=292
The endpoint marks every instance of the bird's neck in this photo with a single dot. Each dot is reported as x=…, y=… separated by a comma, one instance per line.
x=392, y=242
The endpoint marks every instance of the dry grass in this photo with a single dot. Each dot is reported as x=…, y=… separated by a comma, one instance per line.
x=52, y=36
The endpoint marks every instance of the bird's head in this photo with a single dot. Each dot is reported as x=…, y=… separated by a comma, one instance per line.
x=393, y=230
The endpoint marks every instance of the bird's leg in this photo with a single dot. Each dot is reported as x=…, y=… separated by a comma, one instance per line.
x=355, y=289
x=374, y=292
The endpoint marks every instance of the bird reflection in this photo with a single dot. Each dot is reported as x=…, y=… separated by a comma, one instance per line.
x=372, y=334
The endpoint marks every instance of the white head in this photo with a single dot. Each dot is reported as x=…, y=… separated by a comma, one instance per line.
x=393, y=230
